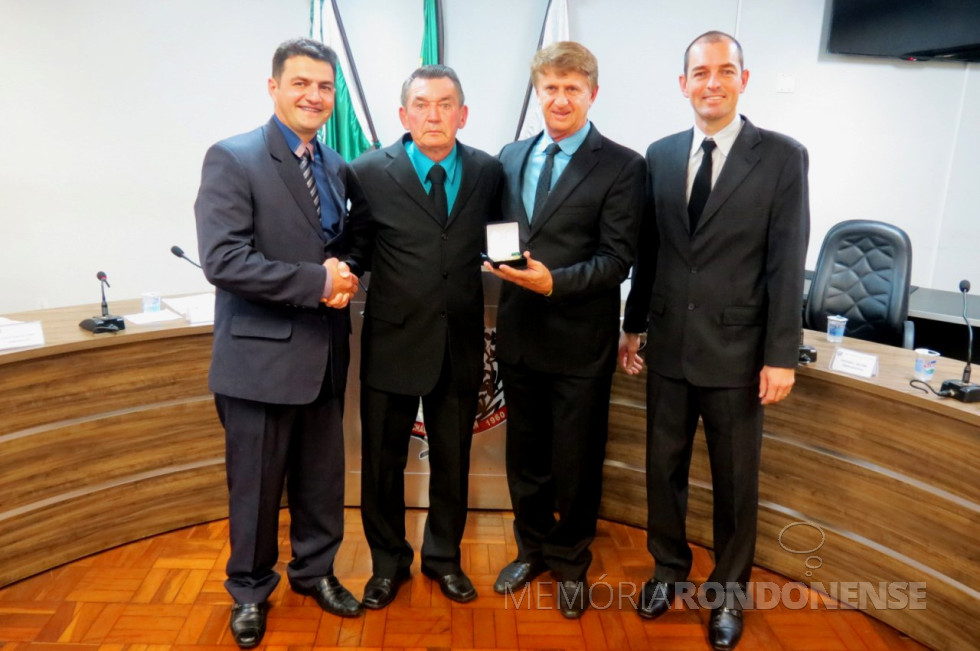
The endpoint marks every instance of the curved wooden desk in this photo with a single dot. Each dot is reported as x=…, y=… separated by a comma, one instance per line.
x=110, y=438
x=887, y=474
x=104, y=439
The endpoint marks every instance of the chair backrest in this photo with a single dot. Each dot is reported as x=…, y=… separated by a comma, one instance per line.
x=863, y=272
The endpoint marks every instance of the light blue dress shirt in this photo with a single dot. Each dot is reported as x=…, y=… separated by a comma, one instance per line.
x=535, y=161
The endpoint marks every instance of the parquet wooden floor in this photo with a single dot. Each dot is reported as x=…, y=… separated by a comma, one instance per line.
x=166, y=593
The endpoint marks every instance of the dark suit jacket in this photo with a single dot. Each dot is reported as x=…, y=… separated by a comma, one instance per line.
x=586, y=236
x=425, y=284
x=727, y=300
x=262, y=246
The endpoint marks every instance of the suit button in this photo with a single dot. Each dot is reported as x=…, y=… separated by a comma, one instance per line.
x=445, y=237
x=694, y=270
x=690, y=306
x=443, y=314
x=445, y=274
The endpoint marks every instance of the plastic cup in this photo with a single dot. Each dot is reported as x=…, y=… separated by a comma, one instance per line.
x=925, y=364
x=835, y=328
x=151, y=302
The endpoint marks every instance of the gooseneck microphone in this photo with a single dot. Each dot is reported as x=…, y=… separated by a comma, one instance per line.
x=964, y=288
x=106, y=322
x=963, y=389
x=179, y=252
x=104, y=282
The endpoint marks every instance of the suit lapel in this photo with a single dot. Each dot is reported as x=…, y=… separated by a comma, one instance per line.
x=402, y=172
x=470, y=179
x=514, y=177
x=338, y=194
x=291, y=175
x=575, y=172
x=675, y=183
x=741, y=159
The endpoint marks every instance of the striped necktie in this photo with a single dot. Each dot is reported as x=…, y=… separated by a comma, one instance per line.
x=306, y=166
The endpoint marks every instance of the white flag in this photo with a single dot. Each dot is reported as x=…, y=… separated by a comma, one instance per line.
x=555, y=29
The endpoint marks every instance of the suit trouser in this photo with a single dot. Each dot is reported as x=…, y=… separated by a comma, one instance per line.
x=386, y=427
x=263, y=444
x=733, y=432
x=557, y=427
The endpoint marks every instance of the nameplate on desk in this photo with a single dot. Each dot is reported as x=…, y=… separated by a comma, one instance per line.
x=854, y=363
x=21, y=335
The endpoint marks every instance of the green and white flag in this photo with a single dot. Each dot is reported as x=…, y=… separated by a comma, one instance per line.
x=346, y=132
x=432, y=34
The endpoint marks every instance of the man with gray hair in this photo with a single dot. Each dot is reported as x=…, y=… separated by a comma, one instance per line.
x=430, y=198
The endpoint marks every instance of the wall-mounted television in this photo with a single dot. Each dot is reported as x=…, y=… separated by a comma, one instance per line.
x=914, y=30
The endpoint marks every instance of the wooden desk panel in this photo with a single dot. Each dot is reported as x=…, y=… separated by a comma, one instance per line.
x=104, y=439
x=96, y=451
x=887, y=474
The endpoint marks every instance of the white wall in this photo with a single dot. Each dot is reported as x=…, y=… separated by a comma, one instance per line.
x=109, y=105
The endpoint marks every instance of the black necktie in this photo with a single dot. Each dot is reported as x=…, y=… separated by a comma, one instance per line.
x=702, y=185
x=437, y=177
x=544, y=180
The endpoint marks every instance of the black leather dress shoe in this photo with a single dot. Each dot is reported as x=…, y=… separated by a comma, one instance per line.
x=656, y=598
x=380, y=590
x=456, y=586
x=516, y=575
x=248, y=624
x=573, y=598
x=333, y=597
x=725, y=628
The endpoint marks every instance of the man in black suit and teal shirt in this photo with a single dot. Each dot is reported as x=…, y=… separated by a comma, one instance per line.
x=272, y=225
x=577, y=198
x=430, y=197
x=717, y=286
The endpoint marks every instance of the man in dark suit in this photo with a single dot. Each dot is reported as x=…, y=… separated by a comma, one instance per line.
x=272, y=220
x=577, y=198
x=717, y=287
x=430, y=197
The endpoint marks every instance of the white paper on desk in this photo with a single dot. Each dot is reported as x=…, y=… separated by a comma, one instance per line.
x=854, y=363
x=15, y=334
x=6, y=321
x=197, y=309
x=146, y=318
x=503, y=242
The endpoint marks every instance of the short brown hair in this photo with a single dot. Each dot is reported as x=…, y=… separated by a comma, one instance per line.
x=566, y=56
x=715, y=36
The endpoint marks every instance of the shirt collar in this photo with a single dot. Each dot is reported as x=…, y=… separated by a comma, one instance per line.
x=295, y=144
x=724, y=139
x=423, y=163
x=568, y=145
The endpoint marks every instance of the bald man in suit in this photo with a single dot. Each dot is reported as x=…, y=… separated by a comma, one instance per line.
x=717, y=287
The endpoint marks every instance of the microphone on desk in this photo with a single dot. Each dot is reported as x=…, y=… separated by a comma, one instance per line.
x=962, y=389
x=179, y=252
x=106, y=322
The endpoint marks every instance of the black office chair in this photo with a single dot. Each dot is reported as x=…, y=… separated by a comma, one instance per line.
x=863, y=272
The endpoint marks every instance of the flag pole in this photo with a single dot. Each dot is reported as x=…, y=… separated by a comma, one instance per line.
x=375, y=143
